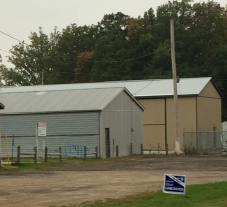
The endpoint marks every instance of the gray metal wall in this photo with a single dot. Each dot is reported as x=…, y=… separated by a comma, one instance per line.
x=121, y=116
x=62, y=129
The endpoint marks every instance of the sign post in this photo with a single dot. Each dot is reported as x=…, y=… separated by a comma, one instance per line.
x=41, y=132
x=174, y=184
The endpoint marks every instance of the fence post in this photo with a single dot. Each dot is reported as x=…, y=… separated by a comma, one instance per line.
x=85, y=149
x=59, y=154
x=131, y=149
x=117, y=151
x=184, y=148
x=96, y=152
x=214, y=129
x=208, y=141
x=12, y=147
x=141, y=148
x=167, y=150
x=45, y=154
x=18, y=154
x=35, y=154
x=200, y=142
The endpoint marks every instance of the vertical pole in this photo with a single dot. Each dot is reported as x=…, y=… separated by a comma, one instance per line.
x=7, y=151
x=96, y=152
x=35, y=154
x=117, y=151
x=44, y=143
x=184, y=147
x=167, y=150
x=215, y=143
x=43, y=77
x=141, y=149
x=60, y=154
x=113, y=149
x=37, y=142
x=85, y=149
x=177, y=146
x=12, y=147
x=199, y=141
x=0, y=150
x=18, y=154
x=46, y=154
x=131, y=149
x=166, y=141
x=208, y=141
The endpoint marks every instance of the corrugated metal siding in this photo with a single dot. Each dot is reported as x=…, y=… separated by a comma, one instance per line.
x=58, y=101
x=120, y=116
x=62, y=129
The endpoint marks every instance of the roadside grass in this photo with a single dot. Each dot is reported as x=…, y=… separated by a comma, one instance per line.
x=28, y=165
x=205, y=195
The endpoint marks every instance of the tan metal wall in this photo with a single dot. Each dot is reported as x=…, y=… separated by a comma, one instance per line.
x=186, y=115
x=210, y=91
x=154, y=136
x=209, y=109
x=194, y=113
x=124, y=118
x=153, y=123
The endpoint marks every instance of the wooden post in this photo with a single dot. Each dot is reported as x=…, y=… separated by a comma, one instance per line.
x=184, y=142
x=85, y=149
x=117, y=151
x=35, y=154
x=174, y=70
x=141, y=149
x=131, y=149
x=59, y=154
x=18, y=154
x=12, y=147
x=45, y=154
x=96, y=152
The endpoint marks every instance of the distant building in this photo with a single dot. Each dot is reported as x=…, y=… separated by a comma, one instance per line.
x=104, y=117
x=199, y=105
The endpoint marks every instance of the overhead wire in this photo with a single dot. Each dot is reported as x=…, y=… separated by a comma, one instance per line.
x=131, y=59
x=13, y=38
x=5, y=51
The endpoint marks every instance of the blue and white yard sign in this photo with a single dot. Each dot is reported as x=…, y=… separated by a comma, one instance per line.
x=174, y=184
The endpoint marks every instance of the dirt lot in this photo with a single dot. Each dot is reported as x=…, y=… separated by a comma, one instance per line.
x=80, y=183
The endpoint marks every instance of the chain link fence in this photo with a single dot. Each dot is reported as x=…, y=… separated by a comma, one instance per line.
x=205, y=143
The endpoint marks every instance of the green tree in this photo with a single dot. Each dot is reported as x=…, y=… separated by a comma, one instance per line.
x=84, y=65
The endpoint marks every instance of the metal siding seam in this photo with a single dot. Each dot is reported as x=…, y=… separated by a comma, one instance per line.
x=27, y=123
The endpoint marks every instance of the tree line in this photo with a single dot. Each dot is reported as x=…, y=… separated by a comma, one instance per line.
x=120, y=47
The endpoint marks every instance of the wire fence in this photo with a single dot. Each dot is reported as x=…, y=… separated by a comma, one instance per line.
x=70, y=145
x=205, y=143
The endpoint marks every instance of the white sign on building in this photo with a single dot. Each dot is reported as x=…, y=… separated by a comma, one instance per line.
x=41, y=129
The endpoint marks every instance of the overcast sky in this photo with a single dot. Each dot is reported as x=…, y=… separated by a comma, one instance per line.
x=19, y=18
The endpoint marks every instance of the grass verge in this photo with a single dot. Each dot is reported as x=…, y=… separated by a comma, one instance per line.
x=28, y=165
x=206, y=195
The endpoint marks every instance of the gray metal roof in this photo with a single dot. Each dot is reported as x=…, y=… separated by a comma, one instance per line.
x=59, y=101
x=139, y=88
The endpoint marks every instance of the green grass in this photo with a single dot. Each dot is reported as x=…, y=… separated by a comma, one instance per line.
x=28, y=165
x=206, y=195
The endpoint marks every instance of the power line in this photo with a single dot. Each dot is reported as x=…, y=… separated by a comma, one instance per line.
x=5, y=51
x=131, y=59
x=13, y=38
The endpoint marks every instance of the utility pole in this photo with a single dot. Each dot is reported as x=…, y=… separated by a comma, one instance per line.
x=0, y=132
x=42, y=77
x=174, y=70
